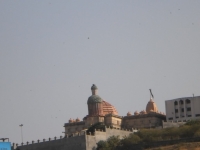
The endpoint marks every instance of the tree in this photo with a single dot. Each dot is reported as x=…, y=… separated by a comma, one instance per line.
x=127, y=142
x=102, y=145
x=111, y=143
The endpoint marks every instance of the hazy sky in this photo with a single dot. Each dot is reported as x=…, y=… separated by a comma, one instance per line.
x=51, y=52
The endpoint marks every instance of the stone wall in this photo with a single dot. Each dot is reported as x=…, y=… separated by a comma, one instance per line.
x=111, y=120
x=117, y=132
x=91, y=140
x=74, y=127
x=80, y=141
x=169, y=124
x=150, y=120
x=71, y=143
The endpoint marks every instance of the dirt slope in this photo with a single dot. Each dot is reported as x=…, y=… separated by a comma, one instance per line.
x=181, y=146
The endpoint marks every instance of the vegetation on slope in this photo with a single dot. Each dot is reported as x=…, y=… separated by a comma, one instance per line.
x=179, y=146
x=189, y=130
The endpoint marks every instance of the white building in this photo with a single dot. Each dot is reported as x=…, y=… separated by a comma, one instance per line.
x=182, y=109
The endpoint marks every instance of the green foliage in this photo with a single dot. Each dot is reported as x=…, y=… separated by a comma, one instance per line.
x=193, y=122
x=189, y=130
x=126, y=142
x=110, y=144
x=102, y=145
x=113, y=142
x=98, y=125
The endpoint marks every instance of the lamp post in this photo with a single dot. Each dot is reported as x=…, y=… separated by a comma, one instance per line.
x=21, y=125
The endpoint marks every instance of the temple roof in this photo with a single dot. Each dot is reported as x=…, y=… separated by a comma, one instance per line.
x=151, y=106
x=108, y=108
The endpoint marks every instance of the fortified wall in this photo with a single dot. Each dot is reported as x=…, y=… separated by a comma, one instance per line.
x=79, y=141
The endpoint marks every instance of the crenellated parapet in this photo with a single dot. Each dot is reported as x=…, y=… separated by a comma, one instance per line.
x=48, y=140
x=77, y=141
x=73, y=123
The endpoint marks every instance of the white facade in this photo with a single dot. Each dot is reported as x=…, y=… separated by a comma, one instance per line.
x=183, y=109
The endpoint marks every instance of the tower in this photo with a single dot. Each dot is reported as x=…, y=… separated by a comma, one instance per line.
x=95, y=106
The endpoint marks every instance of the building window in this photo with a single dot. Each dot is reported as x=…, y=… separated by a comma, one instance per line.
x=118, y=123
x=197, y=115
x=187, y=101
x=189, y=109
x=175, y=103
x=170, y=118
x=182, y=109
x=189, y=115
x=181, y=102
x=177, y=117
x=176, y=110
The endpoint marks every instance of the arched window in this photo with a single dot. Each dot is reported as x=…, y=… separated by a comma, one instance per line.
x=181, y=102
x=175, y=103
x=187, y=101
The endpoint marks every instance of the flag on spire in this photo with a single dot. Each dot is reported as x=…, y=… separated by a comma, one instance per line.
x=151, y=93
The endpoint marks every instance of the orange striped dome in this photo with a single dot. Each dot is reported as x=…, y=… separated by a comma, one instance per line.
x=108, y=108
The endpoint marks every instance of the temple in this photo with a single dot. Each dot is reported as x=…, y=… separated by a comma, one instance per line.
x=101, y=122
x=100, y=111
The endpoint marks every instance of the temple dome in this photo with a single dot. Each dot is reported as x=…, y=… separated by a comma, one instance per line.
x=151, y=106
x=136, y=113
x=129, y=113
x=70, y=120
x=77, y=120
x=94, y=99
x=108, y=108
x=143, y=112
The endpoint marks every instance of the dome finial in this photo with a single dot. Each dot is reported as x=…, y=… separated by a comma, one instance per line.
x=94, y=89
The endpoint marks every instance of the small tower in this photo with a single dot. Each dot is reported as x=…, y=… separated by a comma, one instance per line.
x=94, y=89
x=95, y=107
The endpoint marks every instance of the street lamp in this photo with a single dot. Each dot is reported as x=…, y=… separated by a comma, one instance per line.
x=21, y=125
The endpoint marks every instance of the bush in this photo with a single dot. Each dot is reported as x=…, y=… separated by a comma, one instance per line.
x=101, y=145
x=98, y=125
x=131, y=139
x=193, y=122
x=110, y=144
x=189, y=130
